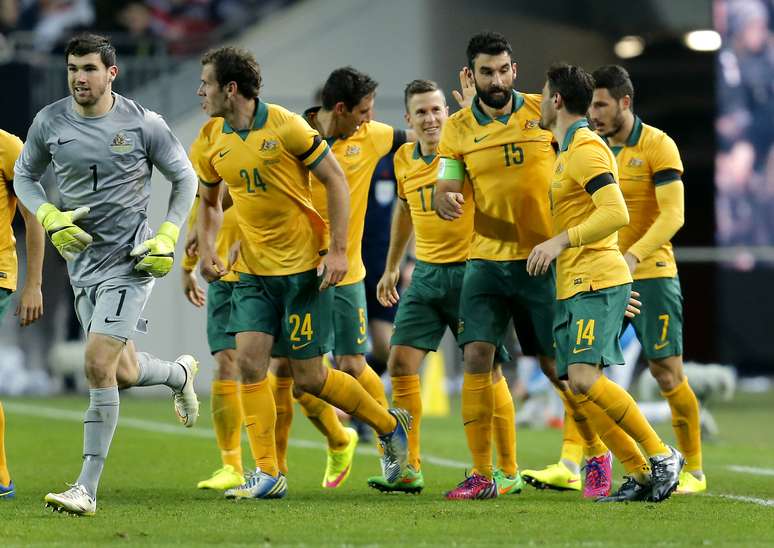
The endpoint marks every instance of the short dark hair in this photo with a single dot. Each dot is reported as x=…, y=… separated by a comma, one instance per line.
x=615, y=79
x=86, y=43
x=346, y=85
x=415, y=87
x=235, y=65
x=491, y=43
x=574, y=84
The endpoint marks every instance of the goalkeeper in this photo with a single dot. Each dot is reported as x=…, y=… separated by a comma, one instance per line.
x=102, y=148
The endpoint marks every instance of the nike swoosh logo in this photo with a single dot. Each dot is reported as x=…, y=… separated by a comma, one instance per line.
x=108, y=320
x=659, y=346
x=222, y=154
x=478, y=140
x=503, y=490
x=579, y=350
x=572, y=481
x=61, y=142
x=467, y=423
x=300, y=346
x=361, y=341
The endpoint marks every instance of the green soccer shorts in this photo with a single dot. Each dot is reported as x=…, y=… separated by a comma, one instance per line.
x=659, y=326
x=350, y=319
x=218, y=313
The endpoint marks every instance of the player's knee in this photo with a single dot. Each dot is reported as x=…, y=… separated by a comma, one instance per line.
x=309, y=379
x=479, y=357
x=668, y=373
x=227, y=369
x=401, y=364
x=250, y=369
x=351, y=365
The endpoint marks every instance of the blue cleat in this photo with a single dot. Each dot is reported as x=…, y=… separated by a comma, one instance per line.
x=7, y=491
x=395, y=444
x=260, y=485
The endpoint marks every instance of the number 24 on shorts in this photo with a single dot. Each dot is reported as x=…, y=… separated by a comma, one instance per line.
x=300, y=328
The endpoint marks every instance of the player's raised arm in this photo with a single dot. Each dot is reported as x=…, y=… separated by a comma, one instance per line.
x=30, y=307
x=448, y=200
x=400, y=234
x=329, y=173
x=207, y=227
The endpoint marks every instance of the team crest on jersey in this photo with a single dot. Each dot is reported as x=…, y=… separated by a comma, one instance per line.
x=122, y=143
x=352, y=150
x=269, y=145
x=531, y=124
x=634, y=162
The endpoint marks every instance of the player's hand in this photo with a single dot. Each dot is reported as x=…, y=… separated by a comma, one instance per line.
x=541, y=256
x=211, y=268
x=467, y=92
x=158, y=253
x=30, y=307
x=386, y=289
x=448, y=205
x=191, y=288
x=68, y=238
x=633, y=308
x=334, y=268
x=191, y=245
x=631, y=262
x=233, y=253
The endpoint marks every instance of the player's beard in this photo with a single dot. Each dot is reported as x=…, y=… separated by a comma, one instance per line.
x=494, y=101
x=94, y=95
x=615, y=125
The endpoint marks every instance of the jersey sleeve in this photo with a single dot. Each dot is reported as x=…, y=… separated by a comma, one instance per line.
x=201, y=157
x=30, y=166
x=591, y=167
x=383, y=137
x=397, y=166
x=451, y=164
x=302, y=141
x=665, y=161
x=9, y=152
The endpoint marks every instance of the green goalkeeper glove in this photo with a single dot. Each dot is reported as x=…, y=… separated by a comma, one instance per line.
x=158, y=253
x=68, y=238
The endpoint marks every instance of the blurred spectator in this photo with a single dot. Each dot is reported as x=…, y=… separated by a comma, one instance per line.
x=51, y=21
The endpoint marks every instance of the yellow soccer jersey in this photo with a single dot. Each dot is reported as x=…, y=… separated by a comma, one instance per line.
x=649, y=159
x=582, y=157
x=357, y=155
x=508, y=161
x=267, y=173
x=227, y=235
x=10, y=148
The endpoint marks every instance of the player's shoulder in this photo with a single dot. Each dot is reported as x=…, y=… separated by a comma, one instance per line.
x=652, y=136
x=53, y=111
x=211, y=128
x=531, y=101
x=277, y=113
x=404, y=156
x=585, y=142
x=8, y=140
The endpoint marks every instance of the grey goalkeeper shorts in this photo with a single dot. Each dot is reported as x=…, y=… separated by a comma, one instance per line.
x=113, y=307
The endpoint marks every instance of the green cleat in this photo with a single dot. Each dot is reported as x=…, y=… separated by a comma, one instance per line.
x=410, y=481
x=508, y=485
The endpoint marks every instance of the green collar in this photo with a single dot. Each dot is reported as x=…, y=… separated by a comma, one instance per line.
x=483, y=119
x=418, y=154
x=571, y=133
x=632, y=140
x=261, y=114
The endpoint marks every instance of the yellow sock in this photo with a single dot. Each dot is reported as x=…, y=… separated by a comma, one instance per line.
x=226, y=411
x=685, y=421
x=323, y=416
x=5, y=477
x=504, y=427
x=282, y=390
x=477, y=411
x=260, y=415
x=369, y=380
x=572, y=443
x=620, y=406
x=406, y=394
x=344, y=392
x=592, y=444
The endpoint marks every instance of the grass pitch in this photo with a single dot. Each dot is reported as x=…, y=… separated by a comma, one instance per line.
x=148, y=496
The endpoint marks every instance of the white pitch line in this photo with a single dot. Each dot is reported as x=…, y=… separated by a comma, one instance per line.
x=741, y=498
x=751, y=470
x=196, y=432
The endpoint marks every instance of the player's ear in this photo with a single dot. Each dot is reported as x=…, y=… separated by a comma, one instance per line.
x=340, y=108
x=515, y=67
x=408, y=118
x=626, y=102
x=113, y=72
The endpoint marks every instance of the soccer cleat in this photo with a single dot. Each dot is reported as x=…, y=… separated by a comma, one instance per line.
x=472, y=487
x=665, y=474
x=630, y=491
x=7, y=492
x=688, y=484
x=599, y=476
x=410, y=481
x=554, y=476
x=186, y=402
x=76, y=500
x=260, y=485
x=222, y=479
x=339, y=463
x=508, y=485
x=395, y=445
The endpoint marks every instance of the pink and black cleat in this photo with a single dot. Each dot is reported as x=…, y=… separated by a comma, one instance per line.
x=474, y=486
x=599, y=476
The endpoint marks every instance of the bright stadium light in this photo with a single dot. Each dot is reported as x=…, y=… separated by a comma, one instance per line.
x=629, y=47
x=702, y=40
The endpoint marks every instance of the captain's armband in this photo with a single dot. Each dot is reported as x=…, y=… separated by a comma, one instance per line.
x=451, y=170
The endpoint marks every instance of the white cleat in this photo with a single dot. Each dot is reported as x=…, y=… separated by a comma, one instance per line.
x=186, y=402
x=76, y=500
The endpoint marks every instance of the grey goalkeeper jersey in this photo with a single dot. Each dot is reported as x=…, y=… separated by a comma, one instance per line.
x=105, y=163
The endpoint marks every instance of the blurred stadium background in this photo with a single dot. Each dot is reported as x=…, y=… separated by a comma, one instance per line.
x=703, y=71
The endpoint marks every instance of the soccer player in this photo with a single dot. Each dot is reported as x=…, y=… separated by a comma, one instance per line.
x=431, y=302
x=656, y=212
x=225, y=405
x=497, y=143
x=102, y=147
x=593, y=283
x=264, y=154
x=357, y=143
x=30, y=306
